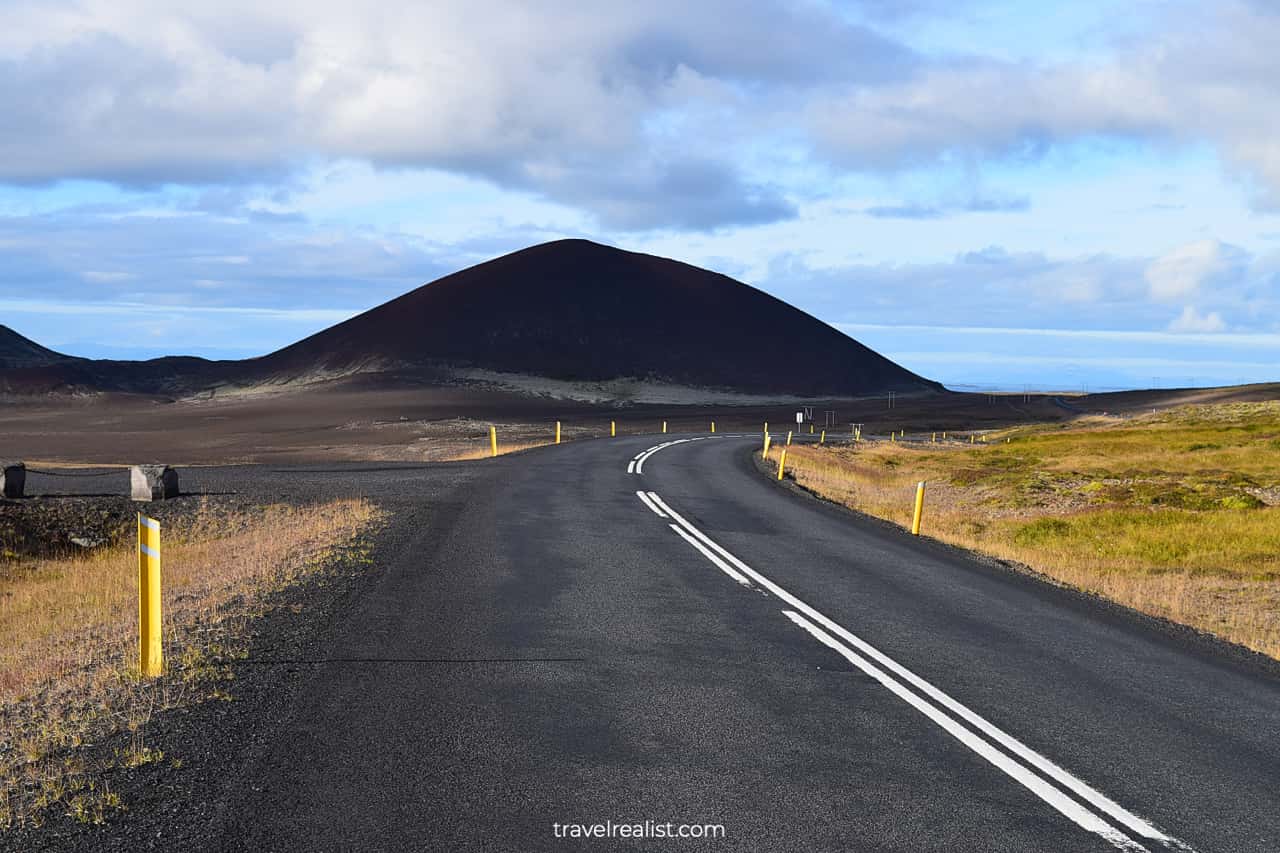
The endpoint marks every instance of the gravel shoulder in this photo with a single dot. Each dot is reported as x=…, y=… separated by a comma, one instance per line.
x=179, y=802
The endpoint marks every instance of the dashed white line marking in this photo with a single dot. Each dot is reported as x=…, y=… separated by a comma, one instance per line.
x=1059, y=800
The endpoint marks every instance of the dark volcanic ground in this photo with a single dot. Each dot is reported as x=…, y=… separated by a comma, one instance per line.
x=419, y=423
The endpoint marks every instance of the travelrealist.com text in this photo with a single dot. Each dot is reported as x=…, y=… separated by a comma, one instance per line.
x=638, y=829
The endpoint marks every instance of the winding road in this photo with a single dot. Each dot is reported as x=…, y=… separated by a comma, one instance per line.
x=645, y=631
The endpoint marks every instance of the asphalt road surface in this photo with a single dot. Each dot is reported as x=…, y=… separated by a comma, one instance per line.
x=593, y=634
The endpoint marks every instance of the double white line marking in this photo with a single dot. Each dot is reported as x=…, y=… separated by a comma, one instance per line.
x=1074, y=798
x=636, y=465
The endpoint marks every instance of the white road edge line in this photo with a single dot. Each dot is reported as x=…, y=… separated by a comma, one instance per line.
x=1042, y=789
x=651, y=505
x=721, y=564
x=1058, y=774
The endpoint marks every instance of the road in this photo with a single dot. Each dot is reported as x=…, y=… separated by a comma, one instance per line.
x=562, y=640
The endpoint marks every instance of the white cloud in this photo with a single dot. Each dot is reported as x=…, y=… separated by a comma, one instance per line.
x=1192, y=321
x=568, y=100
x=1208, y=75
x=106, y=276
x=1181, y=272
x=647, y=115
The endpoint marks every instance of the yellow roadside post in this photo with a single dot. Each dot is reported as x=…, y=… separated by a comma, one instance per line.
x=788, y=438
x=766, y=427
x=810, y=429
x=664, y=427
x=934, y=439
x=613, y=429
x=557, y=432
x=915, y=519
x=944, y=435
x=766, y=443
x=493, y=441
x=782, y=462
x=971, y=439
x=822, y=439
x=713, y=427
x=150, y=653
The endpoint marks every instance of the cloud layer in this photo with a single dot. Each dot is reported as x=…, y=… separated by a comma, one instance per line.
x=645, y=115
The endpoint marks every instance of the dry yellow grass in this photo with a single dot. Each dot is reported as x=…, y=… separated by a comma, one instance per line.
x=486, y=452
x=1175, y=515
x=68, y=644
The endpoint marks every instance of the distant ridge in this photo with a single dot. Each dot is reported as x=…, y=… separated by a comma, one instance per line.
x=569, y=310
x=19, y=352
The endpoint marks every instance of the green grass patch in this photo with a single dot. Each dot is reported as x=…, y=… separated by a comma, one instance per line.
x=1217, y=542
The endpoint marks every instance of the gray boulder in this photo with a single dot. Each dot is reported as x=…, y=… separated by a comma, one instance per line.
x=153, y=482
x=13, y=479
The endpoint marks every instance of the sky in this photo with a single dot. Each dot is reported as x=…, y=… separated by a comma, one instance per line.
x=994, y=193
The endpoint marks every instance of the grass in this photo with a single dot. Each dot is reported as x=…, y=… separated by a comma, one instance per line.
x=1175, y=514
x=503, y=449
x=68, y=647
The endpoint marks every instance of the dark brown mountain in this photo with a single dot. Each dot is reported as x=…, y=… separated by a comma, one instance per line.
x=577, y=310
x=570, y=310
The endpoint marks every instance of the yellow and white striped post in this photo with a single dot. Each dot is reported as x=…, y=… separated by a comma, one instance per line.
x=782, y=463
x=613, y=429
x=557, y=432
x=150, y=634
x=493, y=441
x=915, y=518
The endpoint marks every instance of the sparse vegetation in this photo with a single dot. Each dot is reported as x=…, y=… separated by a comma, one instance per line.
x=503, y=449
x=1176, y=514
x=68, y=646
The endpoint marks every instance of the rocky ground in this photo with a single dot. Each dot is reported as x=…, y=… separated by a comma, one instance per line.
x=57, y=525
